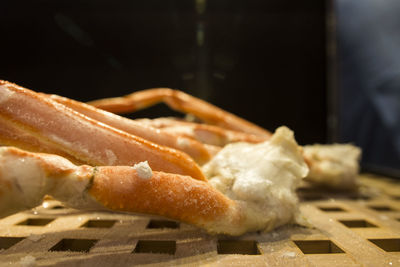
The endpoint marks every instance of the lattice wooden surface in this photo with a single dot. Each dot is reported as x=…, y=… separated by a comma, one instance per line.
x=348, y=229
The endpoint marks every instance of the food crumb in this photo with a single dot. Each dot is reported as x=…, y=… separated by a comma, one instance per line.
x=384, y=217
x=289, y=254
x=143, y=170
x=35, y=238
x=27, y=261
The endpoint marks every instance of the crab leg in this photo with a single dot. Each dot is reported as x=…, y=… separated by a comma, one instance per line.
x=207, y=134
x=83, y=138
x=13, y=136
x=25, y=178
x=192, y=147
x=180, y=101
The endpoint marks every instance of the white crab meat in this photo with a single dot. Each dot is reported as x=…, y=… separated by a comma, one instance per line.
x=261, y=177
x=334, y=166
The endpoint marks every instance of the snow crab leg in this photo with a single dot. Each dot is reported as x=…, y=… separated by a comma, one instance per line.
x=205, y=133
x=25, y=178
x=29, y=116
x=183, y=102
x=193, y=148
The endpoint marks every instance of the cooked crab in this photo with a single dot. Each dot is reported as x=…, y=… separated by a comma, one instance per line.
x=145, y=168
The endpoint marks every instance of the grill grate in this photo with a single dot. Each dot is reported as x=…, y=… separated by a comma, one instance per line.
x=347, y=230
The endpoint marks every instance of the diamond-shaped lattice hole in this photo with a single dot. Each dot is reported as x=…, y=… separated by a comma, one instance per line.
x=99, y=224
x=36, y=221
x=156, y=224
x=387, y=244
x=332, y=209
x=357, y=223
x=77, y=245
x=317, y=246
x=380, y=208
x=7, y=242
x=246, y=247
x=155, y=246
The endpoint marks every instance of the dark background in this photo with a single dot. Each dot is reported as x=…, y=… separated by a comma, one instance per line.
x=368, y=34
x=262, y=60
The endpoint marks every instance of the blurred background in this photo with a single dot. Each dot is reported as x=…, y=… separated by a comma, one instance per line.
x=276, y=62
